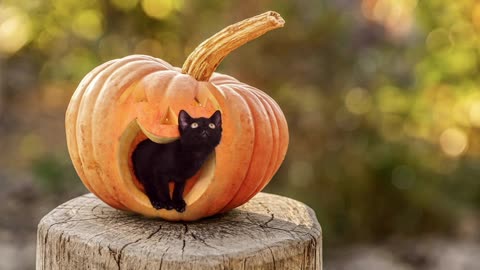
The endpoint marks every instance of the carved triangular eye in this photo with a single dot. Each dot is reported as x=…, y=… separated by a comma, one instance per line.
x=211, y=125
x=194, y=125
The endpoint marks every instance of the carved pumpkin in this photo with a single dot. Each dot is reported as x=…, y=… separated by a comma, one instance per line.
x=124, y=101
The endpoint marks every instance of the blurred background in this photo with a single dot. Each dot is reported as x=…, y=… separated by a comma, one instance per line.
x=381, y=96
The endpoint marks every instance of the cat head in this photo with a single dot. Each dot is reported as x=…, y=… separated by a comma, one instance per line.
x=200, y=131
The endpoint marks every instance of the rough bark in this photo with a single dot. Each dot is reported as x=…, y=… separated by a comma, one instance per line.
x=269, y=232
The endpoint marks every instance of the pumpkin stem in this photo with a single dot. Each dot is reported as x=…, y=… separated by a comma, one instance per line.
x=204, y=60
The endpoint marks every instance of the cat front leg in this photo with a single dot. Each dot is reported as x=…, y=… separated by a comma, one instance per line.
x=151, y=190
x=163, y=191
x=157, y=191
x=177, y=198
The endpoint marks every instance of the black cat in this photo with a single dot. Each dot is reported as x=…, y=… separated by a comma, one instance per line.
x=155, y=165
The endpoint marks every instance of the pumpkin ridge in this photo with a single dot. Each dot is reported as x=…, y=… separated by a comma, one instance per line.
x=271, y=104
x=169, y=78
x=87, y=105
x=169, y=88
x=216, y=195
x=85, y=158
x=262, y=147
x=283, y=136
x=220, y=78
x=164, y=63
x=101, y=114
x=238, y=184
x=275, y=134
x=72, y=113
x=140, y=57
x=283, y=123
x=275, y=151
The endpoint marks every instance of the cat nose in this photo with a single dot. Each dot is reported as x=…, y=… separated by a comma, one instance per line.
x=204, y=133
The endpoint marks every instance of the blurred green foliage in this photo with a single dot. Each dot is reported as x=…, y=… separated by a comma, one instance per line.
x=382, y=96
x=54, y=174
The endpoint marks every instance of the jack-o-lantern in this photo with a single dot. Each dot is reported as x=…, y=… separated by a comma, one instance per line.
x=124, y=101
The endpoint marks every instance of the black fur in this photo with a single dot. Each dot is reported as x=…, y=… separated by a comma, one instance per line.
x=155, y=165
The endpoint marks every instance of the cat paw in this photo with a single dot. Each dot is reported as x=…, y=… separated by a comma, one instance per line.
x=179, y=206
x=169, y=205
x=158, y=205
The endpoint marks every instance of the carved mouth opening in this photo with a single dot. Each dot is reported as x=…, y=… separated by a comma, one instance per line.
x=132, y=136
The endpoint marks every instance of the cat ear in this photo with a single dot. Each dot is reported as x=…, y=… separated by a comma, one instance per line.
x=183, y=119
x=216, y=118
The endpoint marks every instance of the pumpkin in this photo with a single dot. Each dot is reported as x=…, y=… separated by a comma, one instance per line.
x=124, y=101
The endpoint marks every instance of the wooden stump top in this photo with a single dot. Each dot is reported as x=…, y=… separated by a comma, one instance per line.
x=268, y=232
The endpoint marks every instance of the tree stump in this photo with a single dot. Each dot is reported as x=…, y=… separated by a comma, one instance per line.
x=268, y=232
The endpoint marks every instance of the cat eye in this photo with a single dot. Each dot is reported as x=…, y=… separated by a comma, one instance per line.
x=194, y=125
x=211, y=125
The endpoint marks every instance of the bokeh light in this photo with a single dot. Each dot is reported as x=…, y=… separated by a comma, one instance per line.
x=158, y=9
x=396, y=16
x=15, y=29
x=476, y=15
x=474, y=113
x=439, y=39
x=453, y=142
x=88, y=24
x=358, y=101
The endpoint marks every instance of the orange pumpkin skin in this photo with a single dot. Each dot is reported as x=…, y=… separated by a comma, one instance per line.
x=123, y=101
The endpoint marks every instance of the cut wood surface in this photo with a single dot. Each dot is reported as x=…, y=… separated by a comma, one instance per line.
x=268, y=232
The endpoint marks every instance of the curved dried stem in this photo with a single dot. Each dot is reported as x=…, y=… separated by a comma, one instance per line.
x=204, y=60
